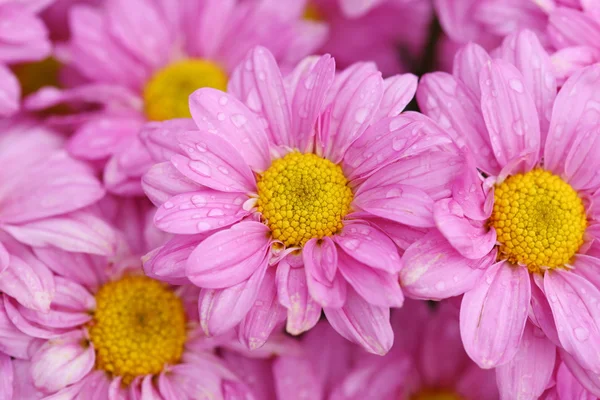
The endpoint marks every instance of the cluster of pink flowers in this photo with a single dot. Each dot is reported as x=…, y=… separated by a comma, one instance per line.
x=299, y=199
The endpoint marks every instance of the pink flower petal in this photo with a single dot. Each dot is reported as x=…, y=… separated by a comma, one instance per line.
x=402, y=235
x=160, y=138
x=308, y=101
x=588, y=268
x=223, y=309
x=200, y=211
x=472, y=239
x=398, y=91
x=389, y=140
x=570, y=27
x=213, y=162
x=264, y=314
x=84, y=269
x=163, y=181
x=24, y=325
x=580, y=166
x=24, y=36
x=568, y=386
x=433, y=269
x=229, y=257
x=78, y=231
x=401, y=203
x=13, y=342
x=169, y=261
x=574, y=302
x=510, y=115
x=524, y=50
x=10, y=92
x=62, y=361
x=325, y=284
x=4, y=258
x=469, y=191
x=294, y=377
x=574, y=118
x=540, y=313
x=530, y=371
x=357, y=8
x=369, y=246
x=493, y=314
x=378, y=287
x=468, y=63
x=292, y=291
x=124, y=169
x=56, y=186
x=586, y=378
x=351, y=113
x=447, y=101
x=569, y=60
x=6, y=377
x=363, y=323
x=225, y=116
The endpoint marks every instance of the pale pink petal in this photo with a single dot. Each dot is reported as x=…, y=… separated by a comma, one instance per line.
x=325, y=283
x=398, y=91
x=456, y=17
x=540, y=313
x=256, y=373
x=401, y=203
x=468, y=63
x=352, y=111
x=140, y=28
x=25, y=144
x=200, y=211
x=402, y=235
x=101, y=137
x=10, y=92
x=4, y=258
x=230, y=256
x=213, y=162
x=305, y=37
x=570, y=27
x=56, y=186
x=433, y=269
x=588, y=268
x=264, y=314
x=446, y=100
x=27, y=327
x=160, y=138
x=468, y=190
x=292, y=291
x=357, y=8
x=85, y=269
x=390, y=140
x=78, y=231
x=574, y=302
x=123, y=171
x=363, y=323
x=568, y=387
x=224, y=115
x=378, y=287
x=472, y=239
x=163, y=181
x=524, y=50
x=569, y=60
x=27, y=280
x=574, y=115
x=263, y=92
x=295, y=378
x=223, y=309
x=62, y=361
x=168, y=262
x=530, y=370
x=582, y=161
x=510, y=115
x=308, y=100
x=370, y=246
x=23, y=35
x=493, y=314
x=6, y=377
x=12, y=341
x=588, y=379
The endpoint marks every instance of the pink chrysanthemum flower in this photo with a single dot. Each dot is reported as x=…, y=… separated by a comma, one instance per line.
x=112, y=332
x=285, y=202
x=392, y=34
x=141, y=59
x=43, y=203
x=520, y=235
x=566, y=386
x=427, y=362
x=23, y=38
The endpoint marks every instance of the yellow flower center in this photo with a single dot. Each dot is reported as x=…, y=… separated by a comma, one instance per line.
x=435, y=394
x=539, y=220
x=34, y=76
x=139, y=326
x=166, y=93
x=303, y=196
x=312, y=13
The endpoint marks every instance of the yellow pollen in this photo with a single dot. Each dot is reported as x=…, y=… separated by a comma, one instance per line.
x=303, y=196
x=312, y=13
x=139, y=326
x=34, y=76
x=166, y=93
x=435, y=394
x=539, y=220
